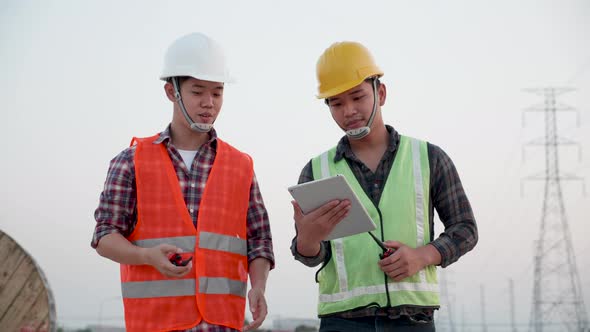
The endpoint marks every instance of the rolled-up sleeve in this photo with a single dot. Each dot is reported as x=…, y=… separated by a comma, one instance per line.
x=306, y=176
x=310, y=261
x=116, y=212
x=258, y=229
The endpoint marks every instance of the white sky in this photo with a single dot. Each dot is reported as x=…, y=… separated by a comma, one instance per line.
x=79, y=79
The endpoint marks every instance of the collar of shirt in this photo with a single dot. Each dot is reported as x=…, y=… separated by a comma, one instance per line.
x=167, y=139
x=343, y=149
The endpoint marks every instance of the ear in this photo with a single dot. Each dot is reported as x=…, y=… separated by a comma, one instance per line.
x=382, y=94
x=169, y=89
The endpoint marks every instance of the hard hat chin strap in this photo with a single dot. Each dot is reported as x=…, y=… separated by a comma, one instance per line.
x=361, y=132
x=195, y=126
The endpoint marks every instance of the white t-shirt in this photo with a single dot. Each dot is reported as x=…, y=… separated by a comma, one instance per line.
x=188, y=156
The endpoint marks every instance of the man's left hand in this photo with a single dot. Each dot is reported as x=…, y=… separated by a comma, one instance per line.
x=257, y=308
x=405, y=261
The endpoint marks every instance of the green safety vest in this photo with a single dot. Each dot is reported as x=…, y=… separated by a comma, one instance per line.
x=352, y=278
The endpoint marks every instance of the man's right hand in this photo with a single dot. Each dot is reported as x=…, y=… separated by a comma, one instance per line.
x=158, y=258
x=314, y=227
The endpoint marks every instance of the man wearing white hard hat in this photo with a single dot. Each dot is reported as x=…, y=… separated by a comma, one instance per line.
x=182, y=213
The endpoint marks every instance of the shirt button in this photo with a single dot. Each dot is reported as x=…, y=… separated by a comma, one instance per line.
x=192, y=210
x=192, y=185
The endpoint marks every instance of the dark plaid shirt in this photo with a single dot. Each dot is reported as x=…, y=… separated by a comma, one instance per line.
x=446, y=196
x=117, y=209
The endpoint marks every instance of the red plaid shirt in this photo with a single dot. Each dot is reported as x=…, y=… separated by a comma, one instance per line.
x=117, y=209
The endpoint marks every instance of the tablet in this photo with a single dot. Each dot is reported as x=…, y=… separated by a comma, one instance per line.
x=313, y=194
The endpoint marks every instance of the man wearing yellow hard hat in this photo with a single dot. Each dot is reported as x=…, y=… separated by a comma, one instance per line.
x=400, y=180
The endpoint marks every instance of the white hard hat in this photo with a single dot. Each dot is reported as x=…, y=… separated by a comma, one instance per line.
x=197, y=56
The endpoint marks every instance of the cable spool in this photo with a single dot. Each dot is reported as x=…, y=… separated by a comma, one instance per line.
x=26, y=301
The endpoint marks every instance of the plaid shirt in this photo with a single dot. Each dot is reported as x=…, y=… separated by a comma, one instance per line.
x=117, y=209
x=446, y=196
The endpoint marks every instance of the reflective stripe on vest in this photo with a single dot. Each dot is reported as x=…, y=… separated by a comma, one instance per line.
x=419, y=192
x=158, y=288
x=207, y=241
x=182, y=287
x=222, y=242
x=186, y=243
x=222, y=286
x=379, y=289
x=335, y=286
x=337, y=243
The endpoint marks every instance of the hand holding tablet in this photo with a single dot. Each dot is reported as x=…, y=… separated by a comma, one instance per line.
x=311, y=195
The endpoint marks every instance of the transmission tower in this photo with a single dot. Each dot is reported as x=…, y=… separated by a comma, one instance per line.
x=558, y=303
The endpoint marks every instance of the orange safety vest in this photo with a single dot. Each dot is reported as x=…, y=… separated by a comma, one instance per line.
x=215, y=290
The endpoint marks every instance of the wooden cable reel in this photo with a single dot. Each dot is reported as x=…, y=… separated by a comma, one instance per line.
x=26, y=301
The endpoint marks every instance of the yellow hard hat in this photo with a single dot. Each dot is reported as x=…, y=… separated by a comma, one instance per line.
x=343, y=66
